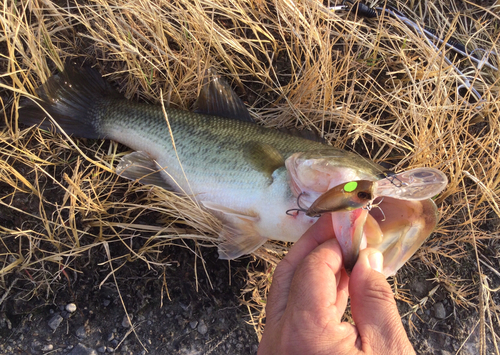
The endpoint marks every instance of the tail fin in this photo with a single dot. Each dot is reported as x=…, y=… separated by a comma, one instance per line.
x=71, y=99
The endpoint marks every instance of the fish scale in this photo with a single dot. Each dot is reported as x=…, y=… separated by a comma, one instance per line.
x=199, y=139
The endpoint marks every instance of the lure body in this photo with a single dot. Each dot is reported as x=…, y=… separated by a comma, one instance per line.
x=344, y=197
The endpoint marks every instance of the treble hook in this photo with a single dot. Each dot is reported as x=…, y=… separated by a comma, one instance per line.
x=299, y=209
x=371, y=205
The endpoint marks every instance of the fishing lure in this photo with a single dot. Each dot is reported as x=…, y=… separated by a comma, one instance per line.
x=416, y=184
x=344, y=197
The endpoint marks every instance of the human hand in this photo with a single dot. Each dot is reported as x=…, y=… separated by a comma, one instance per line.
x=308, y=297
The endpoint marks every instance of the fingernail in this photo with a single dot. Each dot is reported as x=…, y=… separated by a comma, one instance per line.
x=376, y=261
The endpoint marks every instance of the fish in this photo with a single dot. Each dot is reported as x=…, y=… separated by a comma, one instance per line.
x=256, y=180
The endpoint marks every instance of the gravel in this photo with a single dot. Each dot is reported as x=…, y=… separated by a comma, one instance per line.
x=439, y=310
x=70, y=307
x=55, y=321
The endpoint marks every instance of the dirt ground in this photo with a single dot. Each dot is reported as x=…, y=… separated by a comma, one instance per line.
x=209, y=320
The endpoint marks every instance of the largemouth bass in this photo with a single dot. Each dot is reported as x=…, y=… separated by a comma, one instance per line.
x=247, y=175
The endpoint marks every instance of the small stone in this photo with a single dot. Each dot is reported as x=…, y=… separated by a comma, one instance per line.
x=193, y=324
x=101, y=349
x=70, y=307
x=35, y=344
x=65, y=314
x=109, y=349
x=110, y=337
x=55, y=321
x=125, y=321
x=47, y=347
x=81, y=349
x=202, y=328
x=439, y=311
x=81, y=332
x=419, y=287
x=106, y=302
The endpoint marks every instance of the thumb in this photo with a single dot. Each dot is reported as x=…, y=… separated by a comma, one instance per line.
x=374, y=309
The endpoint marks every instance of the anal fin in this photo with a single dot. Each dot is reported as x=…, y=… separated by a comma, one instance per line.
x=139, y=166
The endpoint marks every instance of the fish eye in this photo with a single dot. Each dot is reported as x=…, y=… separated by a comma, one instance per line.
x=423, y=174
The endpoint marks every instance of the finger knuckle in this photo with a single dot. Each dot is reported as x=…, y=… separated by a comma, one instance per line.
x=320, y=257
x=378, y=289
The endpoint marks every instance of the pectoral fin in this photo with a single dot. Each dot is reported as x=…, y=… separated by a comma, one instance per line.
x=263, y=157
x=139, y=166
x=239, y=235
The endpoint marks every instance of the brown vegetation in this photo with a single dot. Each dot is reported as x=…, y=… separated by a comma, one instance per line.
x=372, y=86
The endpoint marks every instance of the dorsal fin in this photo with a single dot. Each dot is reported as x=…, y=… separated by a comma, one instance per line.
x=217, y=98
x=304, y=133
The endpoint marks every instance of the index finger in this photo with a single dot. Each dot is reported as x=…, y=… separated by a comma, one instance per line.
x=316, y=235
x=320, y=232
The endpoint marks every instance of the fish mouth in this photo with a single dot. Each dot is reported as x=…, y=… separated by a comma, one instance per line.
x=396, y=228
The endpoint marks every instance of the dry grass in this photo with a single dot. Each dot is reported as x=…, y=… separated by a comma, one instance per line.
x=367, y=85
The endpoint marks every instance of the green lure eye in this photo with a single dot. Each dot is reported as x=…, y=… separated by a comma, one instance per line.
x=350, y=186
